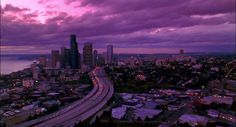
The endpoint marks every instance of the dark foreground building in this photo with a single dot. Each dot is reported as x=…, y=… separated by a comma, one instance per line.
x=74, y=53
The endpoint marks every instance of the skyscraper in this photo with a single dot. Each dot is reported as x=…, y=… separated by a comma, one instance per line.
x=181, y=51
x=42, y=61
x=109, y=54
x=65, y=57
x=74, y=52
x=88, y=54
x=62, y=55
x=55, y=58
x=95, y=57
x=101, y=59
x=35, y=71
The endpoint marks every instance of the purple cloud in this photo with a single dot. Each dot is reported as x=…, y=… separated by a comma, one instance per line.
x=11, y=8
x=193, y=24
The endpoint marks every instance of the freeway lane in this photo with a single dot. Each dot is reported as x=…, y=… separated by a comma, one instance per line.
x=100, y=102
x=87, y=109
x=60, y=120
x=61, y=111
x=82, y=109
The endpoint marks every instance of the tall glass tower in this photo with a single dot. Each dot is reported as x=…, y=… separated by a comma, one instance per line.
x=74, y=52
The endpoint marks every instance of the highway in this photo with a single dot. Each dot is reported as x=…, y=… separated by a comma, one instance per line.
x=81, y=109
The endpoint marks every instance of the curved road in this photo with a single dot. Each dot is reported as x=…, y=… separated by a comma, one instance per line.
x=82, y=109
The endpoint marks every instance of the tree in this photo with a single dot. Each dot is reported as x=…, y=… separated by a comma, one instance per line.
x=210, y=124
x=185, y=125
x=97, y=122
x=3, y=125
x=233, y=107
x=30, y=117
x=139, y=119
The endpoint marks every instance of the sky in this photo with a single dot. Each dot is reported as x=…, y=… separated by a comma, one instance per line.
x=132, y=26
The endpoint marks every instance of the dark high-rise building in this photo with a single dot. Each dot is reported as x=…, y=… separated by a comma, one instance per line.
x=42, y=61
x=88, y=54
x=109, y=54
x=181, y=51
x=95, y=57
x=65, y=57
x=55, y=58
x=74, y=53
x=101, y=59
x=62, y=55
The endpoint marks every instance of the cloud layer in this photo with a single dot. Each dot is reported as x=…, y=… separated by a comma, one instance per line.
x=151, y=25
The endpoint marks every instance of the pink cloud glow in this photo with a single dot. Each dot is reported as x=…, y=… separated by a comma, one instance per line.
x=153, y=26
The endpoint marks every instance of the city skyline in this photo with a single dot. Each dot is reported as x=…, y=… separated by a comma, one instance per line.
x=142, y=27
x=118, y=63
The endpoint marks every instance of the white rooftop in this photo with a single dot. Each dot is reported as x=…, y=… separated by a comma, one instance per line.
x=143, y=113
x=119, y=112
x=193, y=120
x=126, y=96
x=218, y=99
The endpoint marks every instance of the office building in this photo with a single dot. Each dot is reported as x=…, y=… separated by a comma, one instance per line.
x=35, y=71
x=65, y=58
x=74, y=53
x=62, y=57
x=55, y=58
x=101, y=59
x=95, y=57
x=42, y=61
x=88, y=54
x=181, y=51
x=109, y=54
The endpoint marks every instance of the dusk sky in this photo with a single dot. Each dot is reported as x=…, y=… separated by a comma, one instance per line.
x=132, y=26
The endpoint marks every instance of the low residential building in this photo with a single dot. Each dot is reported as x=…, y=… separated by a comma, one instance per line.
x=193, y=120
x=118, y=112
x=217, y=99
x=144, y=113
x=4, y=96
x=27, y=83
